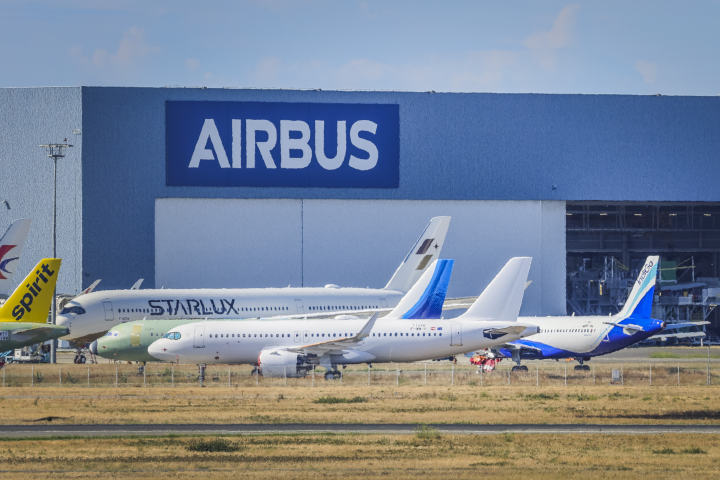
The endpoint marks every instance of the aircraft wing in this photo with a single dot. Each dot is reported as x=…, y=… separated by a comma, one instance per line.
x=30, y=333
x=665, y=336
x=337, y=344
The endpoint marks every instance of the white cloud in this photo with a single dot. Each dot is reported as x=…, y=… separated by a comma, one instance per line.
x=362, y=69
x=647, y=69
x=268, y=69
x=560, y=35
x=131, y=49
x=192, y=63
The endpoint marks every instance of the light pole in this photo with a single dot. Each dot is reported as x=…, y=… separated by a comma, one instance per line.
x=54, y=151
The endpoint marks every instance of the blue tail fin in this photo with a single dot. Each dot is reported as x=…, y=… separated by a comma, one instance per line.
x=425, y=299
x=640, y=300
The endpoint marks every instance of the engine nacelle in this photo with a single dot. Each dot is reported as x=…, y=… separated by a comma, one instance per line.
x=281, y=363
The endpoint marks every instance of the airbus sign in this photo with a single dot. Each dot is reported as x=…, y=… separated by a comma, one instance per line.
x=266, y=144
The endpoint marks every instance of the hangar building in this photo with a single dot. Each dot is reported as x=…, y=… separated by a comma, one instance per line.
x=196, y=187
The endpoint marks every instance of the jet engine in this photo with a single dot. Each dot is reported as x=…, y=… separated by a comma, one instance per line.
x=281, y=363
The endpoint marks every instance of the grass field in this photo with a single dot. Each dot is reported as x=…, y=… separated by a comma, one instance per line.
x=362, y=404
x=425, y=455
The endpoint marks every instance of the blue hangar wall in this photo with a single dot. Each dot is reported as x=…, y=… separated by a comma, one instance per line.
x=502, y=163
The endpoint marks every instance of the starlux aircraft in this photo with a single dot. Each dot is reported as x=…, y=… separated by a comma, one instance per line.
x=23, y=317
x=92, y=315
x=585, y=337
x=292, y=347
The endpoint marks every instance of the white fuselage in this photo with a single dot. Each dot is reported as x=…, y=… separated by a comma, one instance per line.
x=390, y=340
x=577, y=334
x=106, y=309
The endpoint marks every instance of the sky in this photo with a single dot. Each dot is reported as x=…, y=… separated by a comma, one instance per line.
x=593, y=47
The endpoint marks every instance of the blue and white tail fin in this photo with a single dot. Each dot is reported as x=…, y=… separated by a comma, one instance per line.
x=426, y=249
x=640, y=300
x=425, y=299
x=11, y=247
x=501, y=300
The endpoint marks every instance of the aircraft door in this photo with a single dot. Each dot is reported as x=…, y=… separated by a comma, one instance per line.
x=199, y=341
x=383, y=302
x=297, y=336
x=136, y=336
x=299, y=305
x=109, y=314
x=456, y=335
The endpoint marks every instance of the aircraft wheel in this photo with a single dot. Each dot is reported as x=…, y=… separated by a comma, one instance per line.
x=76, y=359
x=524, y=368
x=82, y=359
x=329, y=376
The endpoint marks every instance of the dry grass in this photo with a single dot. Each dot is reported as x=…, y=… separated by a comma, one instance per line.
x=462, y=404
x=362, y=456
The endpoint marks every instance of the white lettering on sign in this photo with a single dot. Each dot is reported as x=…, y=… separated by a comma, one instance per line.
x=209, y=132
x=289, y=143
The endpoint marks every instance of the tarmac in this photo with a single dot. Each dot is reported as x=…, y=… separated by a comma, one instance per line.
x=47, y=430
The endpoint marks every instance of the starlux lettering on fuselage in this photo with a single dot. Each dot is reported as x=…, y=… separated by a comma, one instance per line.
x=288, y=130
x=34, y=289
x=191, y=306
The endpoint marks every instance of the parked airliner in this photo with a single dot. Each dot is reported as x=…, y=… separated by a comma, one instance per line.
x=11, y=247
x=92, y=315
x=582, y=338
x=292, y=347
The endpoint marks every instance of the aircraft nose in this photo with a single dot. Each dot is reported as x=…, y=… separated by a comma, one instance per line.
x=158, y=350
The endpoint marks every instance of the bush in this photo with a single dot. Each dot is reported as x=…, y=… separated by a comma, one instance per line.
x=340, y=400
x=425, y=432
x=214, y=445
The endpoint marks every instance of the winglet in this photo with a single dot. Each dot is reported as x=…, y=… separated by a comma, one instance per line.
x=367, y=328
x=30, y=302
x=426, y=248
x=640, y=300
x=501, y=300
x=11, y=247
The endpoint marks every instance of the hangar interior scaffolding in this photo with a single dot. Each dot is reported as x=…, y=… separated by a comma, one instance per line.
x=607, y=244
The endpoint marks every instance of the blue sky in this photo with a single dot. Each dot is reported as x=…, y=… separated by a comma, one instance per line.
x=613, y=47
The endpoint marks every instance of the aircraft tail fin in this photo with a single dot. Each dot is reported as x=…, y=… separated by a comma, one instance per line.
x=31, y=300
x=11, y=247
x=640, y=300
x=501, y=300
x=425, y=299
x=426, y=248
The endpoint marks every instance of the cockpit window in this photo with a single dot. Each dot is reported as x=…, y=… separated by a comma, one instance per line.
x=172, y=335
x=77, y=310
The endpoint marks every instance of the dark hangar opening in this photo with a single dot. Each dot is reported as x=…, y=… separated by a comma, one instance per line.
x=607, y=244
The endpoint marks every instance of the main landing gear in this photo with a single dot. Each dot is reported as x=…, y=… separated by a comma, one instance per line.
x=201, y=374
x=520, y=368
x=79, y=358
x=334, y=374
x=582, y=365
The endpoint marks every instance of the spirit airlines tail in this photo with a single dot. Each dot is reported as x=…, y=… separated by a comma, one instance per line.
x=11, y=246
x=23, y=318
x=292, y=347
x=586, y=337
x=91, y=316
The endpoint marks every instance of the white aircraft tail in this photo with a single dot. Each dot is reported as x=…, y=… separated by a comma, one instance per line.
x=11, y=247
x=501, y=300
x=426, y=249
x=640, y=300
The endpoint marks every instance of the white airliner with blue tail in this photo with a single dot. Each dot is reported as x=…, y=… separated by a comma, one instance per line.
x=410, y=332
x=582, y=338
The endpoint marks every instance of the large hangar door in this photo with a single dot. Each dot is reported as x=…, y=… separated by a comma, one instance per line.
x=227, y=243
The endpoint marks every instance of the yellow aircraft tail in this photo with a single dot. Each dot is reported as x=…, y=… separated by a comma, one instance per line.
x=31, y=300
